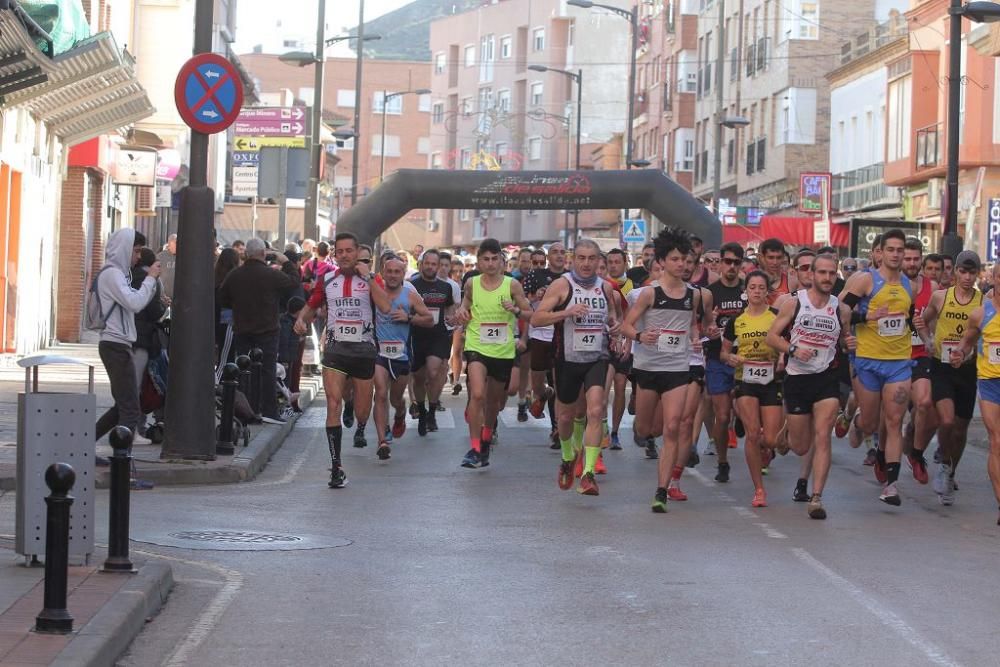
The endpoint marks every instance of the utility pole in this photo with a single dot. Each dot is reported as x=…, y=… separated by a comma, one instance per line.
x=951, y=242
x=717, y=153
x=358, y=100
x=311, y=224
x=579, y=114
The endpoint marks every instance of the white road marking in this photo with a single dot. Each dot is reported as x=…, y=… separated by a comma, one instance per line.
x=883, y=614
x=771, y=532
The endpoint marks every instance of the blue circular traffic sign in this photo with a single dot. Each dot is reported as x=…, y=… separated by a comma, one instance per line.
x=208, y=93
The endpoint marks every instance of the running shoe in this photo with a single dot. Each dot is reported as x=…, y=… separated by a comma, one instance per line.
x=815, y=508
x=456, y=389
x=940, y=483
x=879, y=467
x=693, y=458
x=484, y=453
x=537, y=408
x=588, y=485
x=338, y=478
x=651, y=452
x=348, y=416
x=759, y=498
x=387, y=436
x=870, y=457
x=439, y=408
x=522, y=412
x=842, y=425
x=384, y=452
x=733, y=442
x=723, y=474
x=578, y=466
x=399, y=425
x=660, y=502
x=431, y=419
x=554, y=440
x=359, y=439
x=421, y=421
x=738, y=428
x=710, y=448
x=599, y=467
x=890, y=496
x=631, y=404
x=414, y=410
x=615, y=442
x=471, y=459
x=674, y=493
x=918, y=465
x=947, y=498
x=565, y=478
x=937, y=454
x=801, y=493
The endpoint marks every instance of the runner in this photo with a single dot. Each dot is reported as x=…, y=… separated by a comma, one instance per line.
x=490, y=305
x=541, y=347
x=758, y=391
x=817, y=326
x=392, y=366
x=431, y=346
x=772, y=253
x=729, y=299
x=621, y=354
x=583, y=309
x=982, y=337
x=662, y=322
x=953, y=385
x=648, y=417
x=883, y=298
x=348, y=294
x=923, y=418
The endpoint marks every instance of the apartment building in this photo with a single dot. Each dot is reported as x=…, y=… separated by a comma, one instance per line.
x=408, y=121
x=491, y=111
x=917, y=122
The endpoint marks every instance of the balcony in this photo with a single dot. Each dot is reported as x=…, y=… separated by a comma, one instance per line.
x=928, y=154
x=641, y=105
x=863, y=189
x=872, y=39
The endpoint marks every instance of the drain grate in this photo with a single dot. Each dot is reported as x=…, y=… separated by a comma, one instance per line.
x=240, y=540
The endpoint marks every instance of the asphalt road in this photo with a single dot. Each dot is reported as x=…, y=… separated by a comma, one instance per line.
x=448, y=566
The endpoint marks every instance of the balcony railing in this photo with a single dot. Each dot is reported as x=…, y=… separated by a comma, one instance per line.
x=641, y=104
x=928, y=153
x=874, y=38
x=862, y=188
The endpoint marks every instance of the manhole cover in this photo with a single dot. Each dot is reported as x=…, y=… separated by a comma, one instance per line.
x=241, y=540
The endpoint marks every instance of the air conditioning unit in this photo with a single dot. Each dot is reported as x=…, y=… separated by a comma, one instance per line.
x=934, y=189
x=433, y=226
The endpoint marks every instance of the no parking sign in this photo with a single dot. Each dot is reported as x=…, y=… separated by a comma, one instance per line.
x=208, y=93
x=993, y=231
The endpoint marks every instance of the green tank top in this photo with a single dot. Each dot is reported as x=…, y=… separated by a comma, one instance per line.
x=491, y=330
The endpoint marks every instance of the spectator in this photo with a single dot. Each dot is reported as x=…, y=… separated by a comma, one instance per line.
x=308, y=249
x=253, y=291
x=290, y=347
x=121, y=302
x=227, y=261
x=168, y=264
x=314, y=268
x=294, y=270
x=148, y=343
x=240, y=248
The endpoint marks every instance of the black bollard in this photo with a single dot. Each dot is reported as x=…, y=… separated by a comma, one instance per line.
x=243, y=363
x=55, y=618
x=118, y=503
x=230, y=380
x=256, y=357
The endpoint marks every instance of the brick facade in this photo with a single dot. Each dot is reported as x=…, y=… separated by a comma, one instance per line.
x=81, y=203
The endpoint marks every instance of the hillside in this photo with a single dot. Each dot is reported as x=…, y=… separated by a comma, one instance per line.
x=406, y=31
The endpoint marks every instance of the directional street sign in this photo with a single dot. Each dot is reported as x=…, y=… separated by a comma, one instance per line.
x=635, y=231
x=208, y=93
x=244, y=158
x=272, y=122
x=245, y=181
x=242, y=144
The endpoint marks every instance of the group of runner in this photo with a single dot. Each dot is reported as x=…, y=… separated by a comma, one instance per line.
x=891, y=355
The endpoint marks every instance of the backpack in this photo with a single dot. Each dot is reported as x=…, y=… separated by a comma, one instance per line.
x=94, y=317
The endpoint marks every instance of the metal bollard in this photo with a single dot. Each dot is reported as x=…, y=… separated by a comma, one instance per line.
x=55, y=618
x=118, y=503
x=243, y=363
x=256, y=366
x=230, y=379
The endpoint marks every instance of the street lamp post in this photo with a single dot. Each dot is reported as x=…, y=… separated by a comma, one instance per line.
x=576, y=76
x=358, y=98
x=978, y=12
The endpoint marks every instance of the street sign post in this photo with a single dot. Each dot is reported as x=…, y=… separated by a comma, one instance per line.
x=634, y=231
x=208, y=93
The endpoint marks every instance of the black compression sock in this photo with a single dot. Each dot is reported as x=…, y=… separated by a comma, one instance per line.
x=361, y=426
x=892, y=472
x=333, y=434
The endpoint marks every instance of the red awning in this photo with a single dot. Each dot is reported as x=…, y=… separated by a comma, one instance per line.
x=791, y=230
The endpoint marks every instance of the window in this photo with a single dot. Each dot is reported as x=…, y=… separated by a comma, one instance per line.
x=808, y=20
x=289, y=44
x=506, y=46
x=537, y=90
x=485, y=99
x=439, y=63
x=503, y=100
x=996, y=105
x=470, y=55
x=424, y=103
x=437, y=114
x=500, y=153
x=423, y=145
x=391, y=145
x=394, y=107
x=684, y=149
x=535, y=148
x=466, y=106
x=464, y=214
x=345, y=98
x=465, y=159
x=436, y=161
x=538, y=39
x=487, y=54
x=900, y=92
x=796, y=116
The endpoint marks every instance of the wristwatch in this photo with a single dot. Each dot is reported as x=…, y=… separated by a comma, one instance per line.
x=791, y=349
x=637, y=335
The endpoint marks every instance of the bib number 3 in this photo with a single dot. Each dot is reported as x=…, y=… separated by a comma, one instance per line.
x=670, y=341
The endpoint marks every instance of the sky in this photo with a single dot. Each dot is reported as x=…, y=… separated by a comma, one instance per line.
x=255, y=18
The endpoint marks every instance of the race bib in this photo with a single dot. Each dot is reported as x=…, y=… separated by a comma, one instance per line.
x=758, y=372
x=993, y=352
x=670, y=341
x=892, y=324
x=348, y=331
x=391, y=349
x=494, y=333
x=915, y=339
x=946, y=347
x=435, y=314
x=587, y=340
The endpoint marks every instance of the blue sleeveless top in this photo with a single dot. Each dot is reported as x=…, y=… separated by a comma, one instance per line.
x=393, y=338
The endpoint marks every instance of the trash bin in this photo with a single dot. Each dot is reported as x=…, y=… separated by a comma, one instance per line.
x=54, y=427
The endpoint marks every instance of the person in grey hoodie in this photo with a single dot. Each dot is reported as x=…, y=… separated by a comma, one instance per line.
x=122, y=302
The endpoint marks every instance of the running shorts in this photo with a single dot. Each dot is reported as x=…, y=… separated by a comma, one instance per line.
x=397, y=367
x=719, y=377
x=955, y=384
x=572, y=378
x=496, y=369
x=661, y=381
x=543, y=354
x=876, y=373
x=921, y=369
x=768, y=395
x=697, y=375
x=360, y=368
x=623, y=367
x=421, y=347
x=801, y=392
x=989, y=390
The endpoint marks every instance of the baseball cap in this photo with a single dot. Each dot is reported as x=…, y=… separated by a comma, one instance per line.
x=968, y=260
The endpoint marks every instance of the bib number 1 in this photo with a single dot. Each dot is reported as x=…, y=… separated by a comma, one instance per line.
x=348, y=331
x=758, y=372
x=892, y=324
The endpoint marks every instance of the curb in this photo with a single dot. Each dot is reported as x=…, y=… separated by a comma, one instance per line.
x=110, y=632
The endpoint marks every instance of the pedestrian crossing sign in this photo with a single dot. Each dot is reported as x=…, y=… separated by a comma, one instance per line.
x=635, y=231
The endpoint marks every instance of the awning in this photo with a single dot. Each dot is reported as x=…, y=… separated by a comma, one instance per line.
x=791, y=231
x=87, y=91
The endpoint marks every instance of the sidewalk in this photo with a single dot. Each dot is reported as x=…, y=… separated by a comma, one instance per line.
x=245, y=464
x=108, y=611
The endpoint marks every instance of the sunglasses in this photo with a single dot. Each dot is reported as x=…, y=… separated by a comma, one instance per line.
x=365, y=261
x=712, y=260
x=804, y=267
x=849, y=268
x=731, y=261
